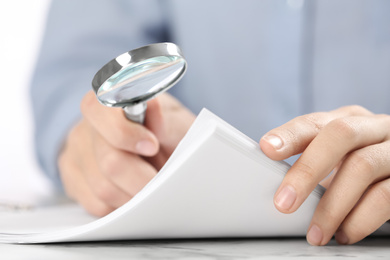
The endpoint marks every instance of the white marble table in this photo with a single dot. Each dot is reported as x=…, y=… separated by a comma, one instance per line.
x=372, y=248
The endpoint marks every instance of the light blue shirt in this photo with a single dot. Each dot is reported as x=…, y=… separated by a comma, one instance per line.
x=255, y=63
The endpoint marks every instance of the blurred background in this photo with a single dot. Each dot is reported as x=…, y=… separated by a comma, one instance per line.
x=21, y=28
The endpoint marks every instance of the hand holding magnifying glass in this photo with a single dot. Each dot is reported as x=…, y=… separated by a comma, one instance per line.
x=102, y=168
x=134, y=77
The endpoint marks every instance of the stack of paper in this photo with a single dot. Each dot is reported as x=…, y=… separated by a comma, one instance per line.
x=217, y=183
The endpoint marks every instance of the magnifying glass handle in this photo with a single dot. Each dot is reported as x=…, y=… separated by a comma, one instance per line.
x=136, y=113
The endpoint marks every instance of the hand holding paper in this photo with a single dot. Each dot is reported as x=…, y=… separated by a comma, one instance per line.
x=353, y=143
x=107, y=159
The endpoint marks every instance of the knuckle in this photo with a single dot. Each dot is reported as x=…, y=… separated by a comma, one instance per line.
x=328, y=213
x=306, y=173
x=357, y=110
x=99, y=210
x=343, y=128
x=315, y=121
x=381, y=194
x=291, y=136
x=362, y=164
x=105, y=192
x=109, y=164
x=384, y=117
x=121, y=137
x=74, y=137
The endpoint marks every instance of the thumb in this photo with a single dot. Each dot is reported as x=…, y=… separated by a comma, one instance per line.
x=293, y=137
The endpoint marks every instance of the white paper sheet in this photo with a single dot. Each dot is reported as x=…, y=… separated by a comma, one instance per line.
x=218, y=183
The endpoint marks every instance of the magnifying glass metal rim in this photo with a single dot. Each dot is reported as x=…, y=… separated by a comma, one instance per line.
x=130, y=58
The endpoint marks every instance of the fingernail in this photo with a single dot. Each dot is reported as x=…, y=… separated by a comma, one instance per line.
x=341, y=237
x=146, y=147
x=286, y=198
x=274, y=140
x=314, y=236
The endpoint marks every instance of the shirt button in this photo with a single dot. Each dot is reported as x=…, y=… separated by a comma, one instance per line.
x=295, y=4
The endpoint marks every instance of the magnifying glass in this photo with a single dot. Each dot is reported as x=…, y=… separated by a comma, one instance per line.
x=134, y=77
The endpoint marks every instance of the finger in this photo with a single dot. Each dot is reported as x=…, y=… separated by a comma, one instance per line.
x=102, y=187
x=359, y=170
x=80, y=144
x=76, y=188
x=330, y=146
x=293, y=137
x=129, y=172
x=372, y=211
x=121, y=133
x=168, y=119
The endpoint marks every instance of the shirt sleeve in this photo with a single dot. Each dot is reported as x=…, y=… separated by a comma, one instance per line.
x=80, y=37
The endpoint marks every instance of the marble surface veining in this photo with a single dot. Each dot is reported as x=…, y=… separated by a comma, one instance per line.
x=221, y=249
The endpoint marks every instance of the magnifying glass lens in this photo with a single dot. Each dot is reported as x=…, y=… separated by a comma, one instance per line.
x=134, y=77
x=141, y=80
